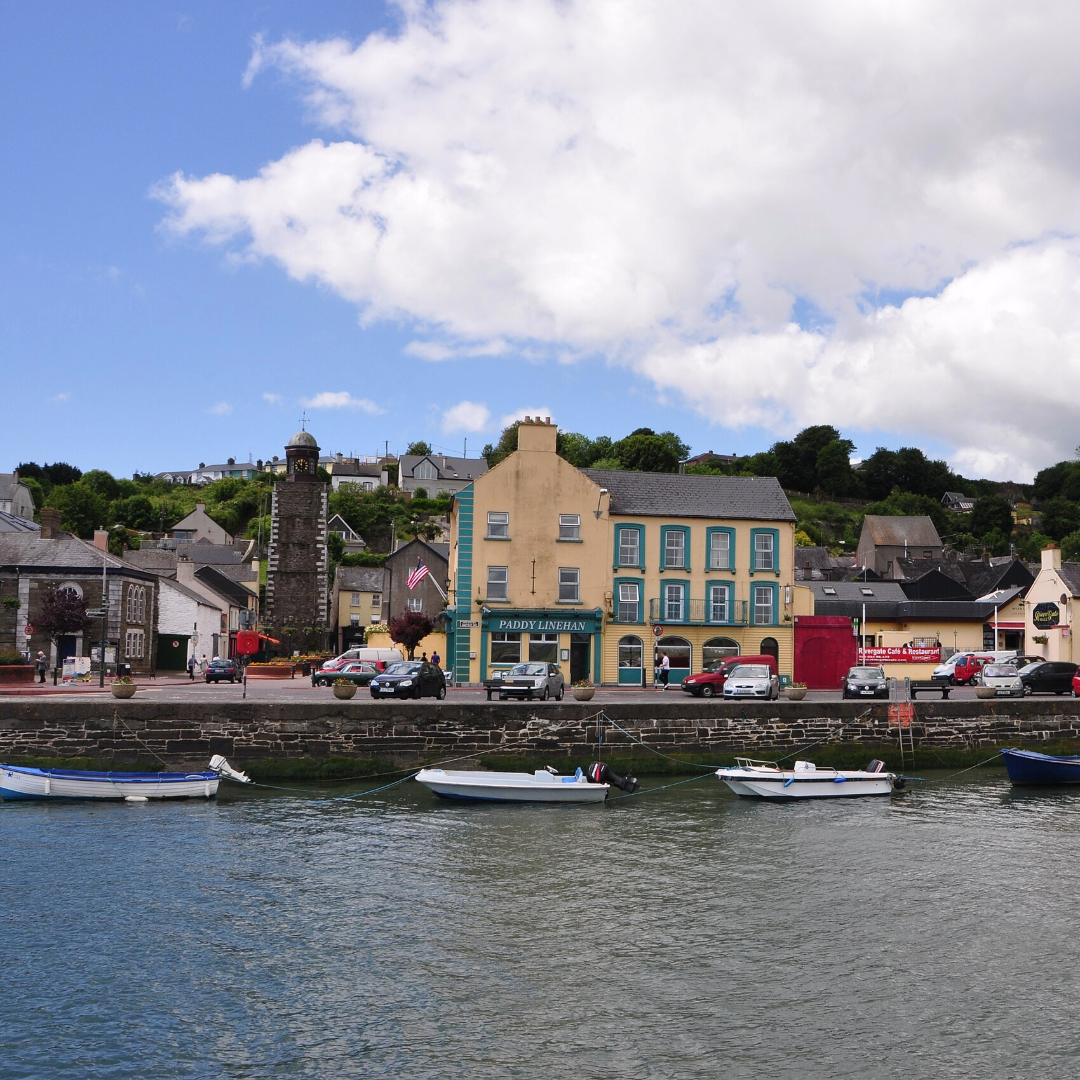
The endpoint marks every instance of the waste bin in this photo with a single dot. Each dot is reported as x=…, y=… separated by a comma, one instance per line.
x=305, y=668
x=123, y=671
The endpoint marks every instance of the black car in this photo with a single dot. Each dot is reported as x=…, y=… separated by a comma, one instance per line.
x=865, y=682
x=1048, y=677
x=217, y=670
x=409, y=679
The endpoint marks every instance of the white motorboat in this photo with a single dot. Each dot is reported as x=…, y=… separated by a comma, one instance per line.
x=544, y=785
x=767, y=780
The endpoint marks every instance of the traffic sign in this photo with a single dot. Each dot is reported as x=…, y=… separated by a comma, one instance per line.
x=29, y=630
x=97, y=613
x=658, y=631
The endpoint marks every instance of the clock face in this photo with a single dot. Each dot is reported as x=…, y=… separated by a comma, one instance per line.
x=302, y=465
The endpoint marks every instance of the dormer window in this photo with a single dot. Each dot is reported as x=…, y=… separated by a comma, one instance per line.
x=424, y=470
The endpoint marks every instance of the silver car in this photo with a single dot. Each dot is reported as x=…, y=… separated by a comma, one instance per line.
x=532, y=680
x=1004, y=678
x=752, y=680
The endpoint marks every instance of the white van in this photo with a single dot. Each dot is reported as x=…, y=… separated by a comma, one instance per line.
x=962, y=667
x=375, y=656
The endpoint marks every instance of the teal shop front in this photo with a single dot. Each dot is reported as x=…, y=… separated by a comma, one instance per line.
x=570, y=639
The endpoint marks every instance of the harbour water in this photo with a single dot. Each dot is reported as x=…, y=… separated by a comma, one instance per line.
x=681, y=934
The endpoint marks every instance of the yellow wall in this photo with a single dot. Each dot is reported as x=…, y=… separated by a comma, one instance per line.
x=432, y=643
x=364, y=610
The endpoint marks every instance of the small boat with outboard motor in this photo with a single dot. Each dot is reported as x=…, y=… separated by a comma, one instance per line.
x=544, y=785
x=755, y=779
x=1028, y=767
x=22, y=782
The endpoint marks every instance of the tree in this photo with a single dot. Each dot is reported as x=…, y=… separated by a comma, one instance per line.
x=506, y=445
x=410, y=628
x=833, y=467
x=102, y=482
x=60, y=472
x=420, y=449
x=1059, y=518
x=62, y=612
x=991, y=513
x=645, y=451
x=83, y=508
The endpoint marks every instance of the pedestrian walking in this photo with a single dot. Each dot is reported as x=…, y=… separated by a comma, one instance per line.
x=203, y=665
x=42, y=666
x=191, y=667
x=665, y=670
x=435, y=657
x=423, y=659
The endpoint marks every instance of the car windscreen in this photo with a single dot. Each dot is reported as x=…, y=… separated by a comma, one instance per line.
x=998, y=670
x=528, y=669
x=1028, y=668
x=866, y=673
x=749, y=671
x=404, y=667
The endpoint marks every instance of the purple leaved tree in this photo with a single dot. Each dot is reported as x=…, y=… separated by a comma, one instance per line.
x=62, y=612
x=410, y=628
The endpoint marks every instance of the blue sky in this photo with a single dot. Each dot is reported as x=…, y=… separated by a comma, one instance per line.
x=150, y=324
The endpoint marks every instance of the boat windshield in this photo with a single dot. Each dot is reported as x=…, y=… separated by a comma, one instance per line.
x=866, y=673
x=750, y=671
x=404, y=667
x=528, y=669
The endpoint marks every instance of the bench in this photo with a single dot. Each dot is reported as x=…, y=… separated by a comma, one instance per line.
x=935, y=686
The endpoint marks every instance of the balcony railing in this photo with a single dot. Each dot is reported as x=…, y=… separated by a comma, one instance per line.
x=698, y=613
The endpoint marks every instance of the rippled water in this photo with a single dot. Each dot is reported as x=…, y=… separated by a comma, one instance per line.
x=684, y=934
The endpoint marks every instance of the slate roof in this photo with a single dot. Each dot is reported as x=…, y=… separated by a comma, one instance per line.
x=448, y=468
x=731, y=498
x=913, y=569
x=239, y=572
x=887, y=591
x=156, y=560
x=916, y=532
x=1069, y=572
x=65, y=552
x=235, y=594
x=11, y=523
x=983, y=577
x=9, y=485
x=360, y=579
x=206, y=553
x=183, y=590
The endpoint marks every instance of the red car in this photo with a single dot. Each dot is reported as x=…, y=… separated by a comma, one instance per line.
x=710, y=683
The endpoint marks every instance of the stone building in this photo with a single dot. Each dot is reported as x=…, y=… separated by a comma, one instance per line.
x=296, y=575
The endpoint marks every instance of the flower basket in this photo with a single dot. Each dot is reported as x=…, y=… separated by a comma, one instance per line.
x=583, y=693
x=794, y=693
x=344, y=690
x=123, y=689
x=985, y=691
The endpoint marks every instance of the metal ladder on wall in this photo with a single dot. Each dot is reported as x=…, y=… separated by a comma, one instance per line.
x=901, y=714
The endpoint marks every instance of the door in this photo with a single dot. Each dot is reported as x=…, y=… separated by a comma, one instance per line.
x=631, y=661
x=678, y=652
x=579, y=656
x=172, y=652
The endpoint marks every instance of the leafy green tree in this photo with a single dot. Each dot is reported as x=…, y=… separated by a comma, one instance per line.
x=506, y=445
x=908, y=504
x=84, y=510
x=36, y=490
x=136, y=512
x=835, y=475
x=421, y=448
x=1050, y=481
x=1059, y=518
x=60, y=472
x=1031, y=547
x=575, y=448
x=645, y=451
x=102, y=482
x=607, y=463
x=1070, y=547
x=991, y=513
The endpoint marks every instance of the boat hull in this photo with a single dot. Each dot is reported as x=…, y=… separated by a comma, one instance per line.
x=511, y=787
x=19, y=782
x=787, y=785
x=1027, y=767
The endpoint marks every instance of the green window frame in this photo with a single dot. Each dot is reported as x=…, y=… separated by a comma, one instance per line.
x=667, y=531
x=682, y=614
x=639, y=617
x=729, y=588
x=640, y=564
x=775, y=568
x=756, y=590
x=710, y=534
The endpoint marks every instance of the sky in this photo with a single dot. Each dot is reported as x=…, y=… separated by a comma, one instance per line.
x=422, y=220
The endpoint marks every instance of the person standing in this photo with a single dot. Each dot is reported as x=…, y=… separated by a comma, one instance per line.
x=203, y=665
x=191, y=667
x=665, y=670
x=435, y=657
x=42, y=665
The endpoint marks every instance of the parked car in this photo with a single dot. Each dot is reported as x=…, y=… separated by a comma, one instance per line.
x=409, y=679
x=865, y=682
x=1048, y=677
x=359, y=672
x=961, y=668
x=752, y=680
x=1004, y=678
x=711, y=681
x=531, y=680
x=379, y=657
x=217, y=670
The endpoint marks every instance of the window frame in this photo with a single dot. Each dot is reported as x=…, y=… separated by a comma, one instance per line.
x=414, y=603
x=576, y=598
x=684, y=602
x=775, y=568
x=548, y=641
x=504, y=524
x=710, y=535
x=729, y=603
x=505, y=584
x=617, y=557
x=639, y=604
x=667, y=531
x=505, y=637
x=773, y=591
x=565, y=522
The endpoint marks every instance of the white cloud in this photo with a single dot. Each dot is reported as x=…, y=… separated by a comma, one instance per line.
x=222, y=408
x=643, y=181
x=519, y=414
x=340, y=399
x=272, y=399
x=57, y=398
x=466, y=416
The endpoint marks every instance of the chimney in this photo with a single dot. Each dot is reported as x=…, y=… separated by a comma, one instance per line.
x=258, y=464
x=200, y=505
x=1051, y=557
x=185, y=570
x=202, y=464
x=50, y=523
x=101, y=539
x=537, y=436
x=231, y=461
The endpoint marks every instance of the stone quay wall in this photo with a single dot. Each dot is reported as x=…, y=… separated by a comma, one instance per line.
x=411, y=733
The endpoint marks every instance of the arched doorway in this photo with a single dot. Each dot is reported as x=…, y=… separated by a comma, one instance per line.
x=631, y=661
x=717, y=649
x=770, y=647
x=679, y=655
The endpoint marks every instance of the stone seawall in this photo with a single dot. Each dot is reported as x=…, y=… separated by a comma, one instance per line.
x=410, y=733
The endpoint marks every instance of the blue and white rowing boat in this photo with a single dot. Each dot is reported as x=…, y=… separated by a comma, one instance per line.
x=1030, y=767
x=23, y=782
x=766, y=780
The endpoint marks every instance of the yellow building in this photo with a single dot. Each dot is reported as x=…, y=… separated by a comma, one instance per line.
x=1053, y=607
x=356, y=602
x=602, y=570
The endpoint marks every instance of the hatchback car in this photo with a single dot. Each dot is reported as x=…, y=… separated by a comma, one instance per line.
x=360, y=672
x=1048, y=677
x=217, y=670
x=865, y=682
x=752, y=680
x=532, y=680
x=1004, y=678
x=409, y=679
x=711, y=681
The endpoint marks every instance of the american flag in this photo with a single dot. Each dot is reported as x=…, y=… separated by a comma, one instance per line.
x=417, y=575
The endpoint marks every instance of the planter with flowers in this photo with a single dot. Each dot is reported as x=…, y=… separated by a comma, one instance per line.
x=344, y=689
x=583, y=690
x=795, y=692
x=123, y=687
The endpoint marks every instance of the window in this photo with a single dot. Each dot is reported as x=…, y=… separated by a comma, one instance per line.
x=498, y=525
x=630, y=652
x=416, y=603
x=569, y=584
x=716, y=650
x=376, y=600
x=673, y=602
x=424, y=470
x=544, y=648
x=867, y=592
x=828, y=590
x=674, y=549
x=496, y=583
x=764, y=551
x=629, y=602
x=629, y=546
x=136, y=604
x=133, y=645
x=505, y=648
x=763, y=605
x=569, y=526
x=720, y=545
x=719, y=607
x=354, y=600
x=366, y=486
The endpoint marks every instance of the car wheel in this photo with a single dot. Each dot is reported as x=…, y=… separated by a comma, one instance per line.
x=544, y=695
x=707, y=691
x=502, y=697
x=440, y=693
x=559, y=695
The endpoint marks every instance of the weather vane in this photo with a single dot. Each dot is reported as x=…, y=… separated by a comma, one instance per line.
x=303, y=421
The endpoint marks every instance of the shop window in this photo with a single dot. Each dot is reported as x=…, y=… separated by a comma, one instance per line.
x=630, y=652
x=544, y=648
x=505, y=648
x=497, y=580
x=716, y=649
x=569, y=584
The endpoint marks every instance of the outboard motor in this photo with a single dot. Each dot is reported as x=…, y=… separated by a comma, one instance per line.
x=599, y=773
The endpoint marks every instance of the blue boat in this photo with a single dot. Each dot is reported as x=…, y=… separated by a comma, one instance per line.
x=1030, y=767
